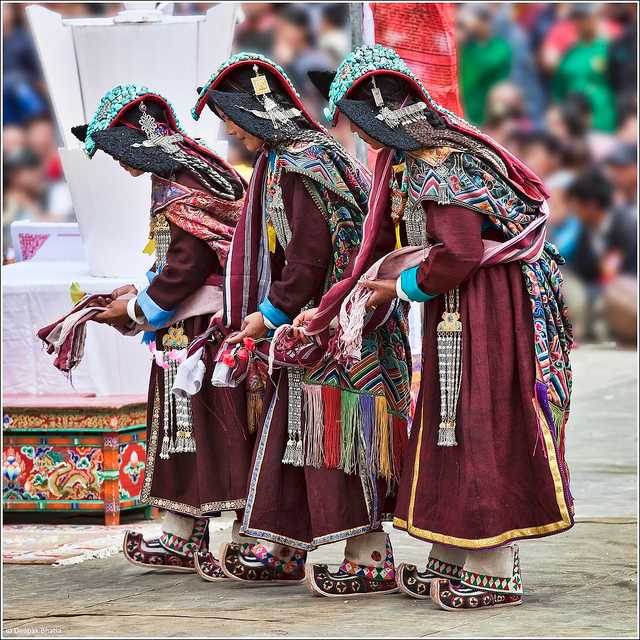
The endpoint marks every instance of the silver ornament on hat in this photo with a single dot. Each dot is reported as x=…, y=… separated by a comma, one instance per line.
x=394, y=117
x=272, y=110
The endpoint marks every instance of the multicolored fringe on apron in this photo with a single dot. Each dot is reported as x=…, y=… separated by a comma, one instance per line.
x=353, y=432
x=357, y=414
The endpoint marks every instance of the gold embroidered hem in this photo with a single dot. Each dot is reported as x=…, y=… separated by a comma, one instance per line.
x=564, y=523
x=482, y=543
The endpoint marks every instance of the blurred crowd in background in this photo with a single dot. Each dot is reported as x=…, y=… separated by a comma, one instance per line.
x=555, y=83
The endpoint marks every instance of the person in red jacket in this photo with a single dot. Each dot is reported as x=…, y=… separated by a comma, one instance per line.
x=326, y=461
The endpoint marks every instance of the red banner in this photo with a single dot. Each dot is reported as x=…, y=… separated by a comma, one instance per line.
x=423, y=34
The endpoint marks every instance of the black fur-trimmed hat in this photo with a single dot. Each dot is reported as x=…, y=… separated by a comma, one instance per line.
x=140, y=128
x=256, y=94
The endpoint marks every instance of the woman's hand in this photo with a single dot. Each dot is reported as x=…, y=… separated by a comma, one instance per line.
x=253, y=326
x=382, y=291
x=123, y=291
x=300, y=320
x=114, y=314
x=104, y=301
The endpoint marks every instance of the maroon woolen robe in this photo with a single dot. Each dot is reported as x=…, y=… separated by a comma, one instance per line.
x=213, y=478
x=299, y=506
x=498, y=484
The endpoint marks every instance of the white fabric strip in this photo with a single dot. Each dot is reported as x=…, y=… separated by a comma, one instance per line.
x=188, y=380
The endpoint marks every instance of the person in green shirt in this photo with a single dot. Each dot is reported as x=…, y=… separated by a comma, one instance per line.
x=583, y=69
x=485, y=60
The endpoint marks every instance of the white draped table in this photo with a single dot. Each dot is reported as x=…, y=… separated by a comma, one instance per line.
x=37, y=293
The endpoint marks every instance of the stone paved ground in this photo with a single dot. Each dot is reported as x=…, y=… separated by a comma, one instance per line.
x=582, y=583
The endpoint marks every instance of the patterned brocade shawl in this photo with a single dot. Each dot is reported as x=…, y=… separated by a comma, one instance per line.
x=197, y=212
x=331, y=181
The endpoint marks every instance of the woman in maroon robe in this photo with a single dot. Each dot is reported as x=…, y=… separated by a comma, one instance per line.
x=486, y=463
x=330, y=437
x=198, y=445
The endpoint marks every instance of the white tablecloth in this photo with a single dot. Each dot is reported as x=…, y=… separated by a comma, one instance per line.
x=37, y=293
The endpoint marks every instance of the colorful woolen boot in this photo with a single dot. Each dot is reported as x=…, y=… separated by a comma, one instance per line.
x=263, y=563
x=489, y=579
x=367, y=569
x=417, y=584
x=208, y=566
x=174, y=550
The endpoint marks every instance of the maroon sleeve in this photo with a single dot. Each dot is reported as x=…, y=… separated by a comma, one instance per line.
x=459, y=231
x=308, y=253
x=190, y=262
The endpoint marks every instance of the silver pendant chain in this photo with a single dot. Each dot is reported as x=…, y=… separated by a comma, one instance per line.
x=293, y=453
x=449, y=333
x=177, y=418
x=162, y=237
x=415, y=225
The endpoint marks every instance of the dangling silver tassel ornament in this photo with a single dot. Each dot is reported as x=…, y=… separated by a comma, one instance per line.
x=171, y=377
x=178, y=418
x=185, y=442
x=293, y=453
x=277, y=215
x=414, y=225
x=168, y=444
x=449, y=332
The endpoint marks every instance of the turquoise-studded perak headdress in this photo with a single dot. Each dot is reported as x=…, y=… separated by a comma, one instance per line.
x=365, y=61
x=114, y=103
x=244, y=59
x=140, y=129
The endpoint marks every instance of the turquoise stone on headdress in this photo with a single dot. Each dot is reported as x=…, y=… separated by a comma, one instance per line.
x=373, y=58
x=111, y=104
x=241, y=57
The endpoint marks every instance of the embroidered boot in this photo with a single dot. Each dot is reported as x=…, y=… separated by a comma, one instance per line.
x=443, y=562
x=181, y=538
x=263, y=563
x=208, y=566
x=489, y=579
x=367, y=569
